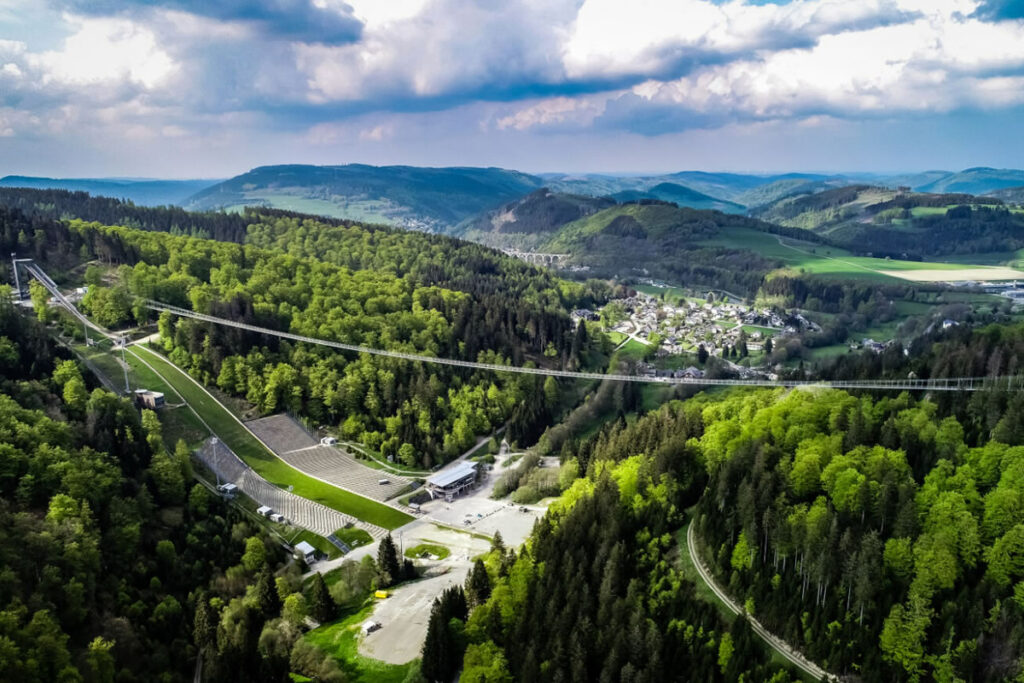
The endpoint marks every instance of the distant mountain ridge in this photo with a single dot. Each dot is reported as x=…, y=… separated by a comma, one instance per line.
x=143, y=192
x=434, y=199
x=681, y=195
x=978, y=181
x=445, y=199
x=740, y=189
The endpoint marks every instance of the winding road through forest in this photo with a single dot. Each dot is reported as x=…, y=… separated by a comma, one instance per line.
x=778, y=644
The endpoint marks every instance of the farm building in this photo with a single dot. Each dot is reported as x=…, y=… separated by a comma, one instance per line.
x=452, y=481
x=305, y=552
x=149, y=399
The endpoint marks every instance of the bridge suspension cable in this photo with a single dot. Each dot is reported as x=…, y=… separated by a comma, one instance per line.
x=944, y=384
x=1011, y=383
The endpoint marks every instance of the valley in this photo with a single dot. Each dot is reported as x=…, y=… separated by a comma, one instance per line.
x=642, y=287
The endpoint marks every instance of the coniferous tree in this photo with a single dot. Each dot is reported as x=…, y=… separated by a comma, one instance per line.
x=204, y=631
x=445, y=643
x=478, y=584
x=387, y=562
x=268, y=603
x=321, y=605
x=435, y=654
x=702, y=354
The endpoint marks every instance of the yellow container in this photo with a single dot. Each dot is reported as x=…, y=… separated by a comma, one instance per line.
x=380, y=594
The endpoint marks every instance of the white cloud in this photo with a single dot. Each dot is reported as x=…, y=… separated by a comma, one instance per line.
x=610, y=37
x=564, y=66
x=554, y=112
x=377, y=133
x=107, y=51
x=927, y=65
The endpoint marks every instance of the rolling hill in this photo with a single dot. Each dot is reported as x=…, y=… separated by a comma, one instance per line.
x=140, y=192
x=526, y=222
x=1010, y=195
x=681, y=195
x=870, y=219
x=657, y=239
x=978, y=181
x=731, y=188
x=434, y=199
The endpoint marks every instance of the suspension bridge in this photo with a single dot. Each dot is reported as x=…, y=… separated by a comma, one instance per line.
x=1001, y=383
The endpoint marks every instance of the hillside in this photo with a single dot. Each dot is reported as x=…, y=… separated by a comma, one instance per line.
x=658, y=239
x=870, y=219
x=975, y=181
x=434, y=199
x=1009, y=195
x=823, y=210
x=741, y=189
x=141, y=192
x=529, y=218
x=681, y=195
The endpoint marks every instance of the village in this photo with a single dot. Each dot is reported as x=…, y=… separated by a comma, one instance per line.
x=723, y=328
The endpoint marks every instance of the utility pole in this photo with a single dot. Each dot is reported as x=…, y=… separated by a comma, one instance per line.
x=17, y=281
x=124, y=364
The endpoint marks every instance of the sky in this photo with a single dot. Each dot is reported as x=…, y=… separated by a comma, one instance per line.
x=207, y=89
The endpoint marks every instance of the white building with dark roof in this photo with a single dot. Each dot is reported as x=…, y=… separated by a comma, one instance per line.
x=453, y=481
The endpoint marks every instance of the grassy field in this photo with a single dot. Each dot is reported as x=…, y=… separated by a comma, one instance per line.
x=179, y=422
x=318, y=542
x=340, y=639
x=367, y=211
x=422, y=549
x=825, y=261
x=672, y=294
x=634, y=349
x=261, y=459
x=767, y=331
x=616, y=337
x=353, y=537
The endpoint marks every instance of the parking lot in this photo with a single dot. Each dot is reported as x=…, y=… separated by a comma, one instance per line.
x=476, y=511
x=404, y=615
x=463, y=526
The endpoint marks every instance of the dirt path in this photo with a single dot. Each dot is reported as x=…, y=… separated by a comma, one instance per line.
x=779, y=645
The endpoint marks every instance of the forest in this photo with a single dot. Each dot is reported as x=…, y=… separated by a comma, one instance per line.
x=117, y=566
x=102, y=540
x=421, y=414
x=900, y=540
x=598, y=593
x=882, y=535
x=874, y=534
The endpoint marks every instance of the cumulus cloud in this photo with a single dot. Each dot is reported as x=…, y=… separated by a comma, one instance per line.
x=361, y=71
x=107, y=50
x=661, y=37
x=555, y=112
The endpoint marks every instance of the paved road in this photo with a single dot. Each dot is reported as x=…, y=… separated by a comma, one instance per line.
x=781, y=646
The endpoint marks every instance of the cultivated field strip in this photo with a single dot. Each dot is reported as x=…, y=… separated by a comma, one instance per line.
x=300, y=511
x=296, y=447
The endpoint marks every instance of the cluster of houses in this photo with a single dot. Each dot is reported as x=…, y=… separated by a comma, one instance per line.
x=688, y=324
